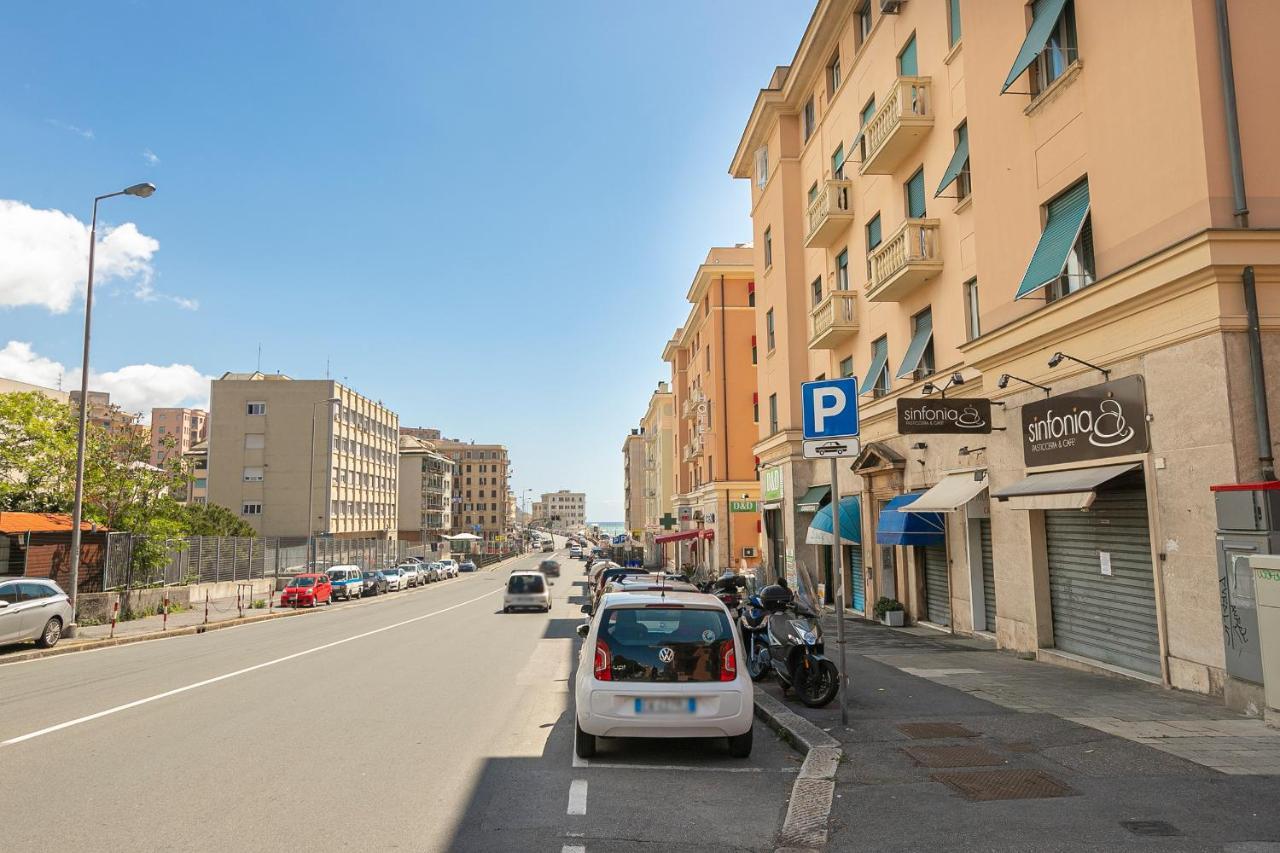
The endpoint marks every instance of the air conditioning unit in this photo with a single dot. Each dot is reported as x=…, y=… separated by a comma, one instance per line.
x=748, y=552
x=890, y=7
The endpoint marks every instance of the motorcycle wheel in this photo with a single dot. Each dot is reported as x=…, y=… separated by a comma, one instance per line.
x=758, y=665
x=817, y=686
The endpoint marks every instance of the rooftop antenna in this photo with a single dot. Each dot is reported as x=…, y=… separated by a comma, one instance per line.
x=326, y=368
x=258, y=369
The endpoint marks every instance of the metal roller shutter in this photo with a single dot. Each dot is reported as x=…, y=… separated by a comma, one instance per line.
x=937, y=594
x=1110, y=618
x=988, y=574
x=857, y=582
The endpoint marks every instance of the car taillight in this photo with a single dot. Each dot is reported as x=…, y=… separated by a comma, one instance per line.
x=728, y=662
x=602, y=662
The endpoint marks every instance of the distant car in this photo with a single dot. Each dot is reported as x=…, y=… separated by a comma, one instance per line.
x=467, y=566
x=548, y=546
x=451, y=566
x=307, y=591
x=395, y=579
x=442, y=571
x=33, y=609
x=375, y=583
x=550, y=568
x=527, y=590
x=412, y=574
x=347, y=581
x=575, y=551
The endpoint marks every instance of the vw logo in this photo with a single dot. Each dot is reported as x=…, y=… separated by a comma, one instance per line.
x=666, y=655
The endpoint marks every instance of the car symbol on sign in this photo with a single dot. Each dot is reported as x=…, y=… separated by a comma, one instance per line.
x=831, y=447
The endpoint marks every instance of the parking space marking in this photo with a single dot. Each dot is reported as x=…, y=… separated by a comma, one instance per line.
x=206, y=682
x=573, y=848
x=578, y=797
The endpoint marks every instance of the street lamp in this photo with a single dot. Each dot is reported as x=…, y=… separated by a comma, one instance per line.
x=143, y=190
x=311, y=479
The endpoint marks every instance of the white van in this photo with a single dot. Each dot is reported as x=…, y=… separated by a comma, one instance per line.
x=347, y=581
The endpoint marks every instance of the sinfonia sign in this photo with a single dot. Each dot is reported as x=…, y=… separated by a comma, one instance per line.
x=923, y=416
x=1093, y=423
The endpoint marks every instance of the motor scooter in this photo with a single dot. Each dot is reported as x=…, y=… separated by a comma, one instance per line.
x=753, y=625
x=796, y=655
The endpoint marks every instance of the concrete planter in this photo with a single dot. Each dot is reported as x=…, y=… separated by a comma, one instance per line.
x=894, y=618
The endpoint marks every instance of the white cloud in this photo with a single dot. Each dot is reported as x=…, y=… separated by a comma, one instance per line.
x=44, y=256
x=150, y=157
x=135, y=388
x=78, y=131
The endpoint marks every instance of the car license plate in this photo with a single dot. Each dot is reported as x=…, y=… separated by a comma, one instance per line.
x=666, y=706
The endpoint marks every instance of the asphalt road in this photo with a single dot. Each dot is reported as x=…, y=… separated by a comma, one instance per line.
x=423, y=720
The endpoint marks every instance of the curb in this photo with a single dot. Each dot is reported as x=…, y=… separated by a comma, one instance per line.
x=805, y=827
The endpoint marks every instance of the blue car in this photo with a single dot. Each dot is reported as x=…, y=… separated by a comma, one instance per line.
x=467, y=566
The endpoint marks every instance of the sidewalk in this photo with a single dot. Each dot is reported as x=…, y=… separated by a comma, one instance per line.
x=954, y=746
x=220, y=610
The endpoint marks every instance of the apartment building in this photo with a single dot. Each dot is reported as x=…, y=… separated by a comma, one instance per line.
x=197, y=455
x=13, y=386
x=481, y=482
x=633, y=482
x=1023, y=209
x=106, y=414
x=658, y=428
x=713, y=375
x=425, y=508
x=176, y=431
x=566, y=510
x=280, y=448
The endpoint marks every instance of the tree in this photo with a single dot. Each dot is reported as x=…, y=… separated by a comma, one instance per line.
x=214, y=520
x=37, y=453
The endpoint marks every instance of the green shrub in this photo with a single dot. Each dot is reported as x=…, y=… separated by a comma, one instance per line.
x=886, y=605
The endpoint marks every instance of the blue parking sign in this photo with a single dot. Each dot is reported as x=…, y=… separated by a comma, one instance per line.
x=830, y=408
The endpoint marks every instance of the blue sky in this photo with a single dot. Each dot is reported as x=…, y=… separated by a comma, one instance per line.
x=485, y=215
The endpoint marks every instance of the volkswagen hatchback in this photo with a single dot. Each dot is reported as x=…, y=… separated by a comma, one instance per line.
x=662, y=665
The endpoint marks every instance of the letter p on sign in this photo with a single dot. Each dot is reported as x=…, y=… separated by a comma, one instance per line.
x=830, y=408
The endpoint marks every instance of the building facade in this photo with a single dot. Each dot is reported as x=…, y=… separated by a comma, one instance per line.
x=954, y=196
x=633, y=481
x=175, y=431
x=197, y=456
x=481, y=482
x=564, y=510
x=658, y=426
x=271, y=438
x=425, y=509
x=106, y=414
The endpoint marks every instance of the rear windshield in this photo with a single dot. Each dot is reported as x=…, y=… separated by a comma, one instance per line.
x=665, y=644
x=525, y=584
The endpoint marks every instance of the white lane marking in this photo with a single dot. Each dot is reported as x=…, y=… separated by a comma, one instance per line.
x=573, y=848
x=134, y=704
x=578, y=796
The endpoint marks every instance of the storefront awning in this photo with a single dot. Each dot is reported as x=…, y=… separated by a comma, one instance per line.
x=683, y=536
x=899, y=527
x=1072, y=489
x=813, y=499
x=953, y=492
x=820, y=530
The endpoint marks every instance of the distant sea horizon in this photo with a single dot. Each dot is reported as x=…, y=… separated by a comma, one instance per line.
x=614, y=528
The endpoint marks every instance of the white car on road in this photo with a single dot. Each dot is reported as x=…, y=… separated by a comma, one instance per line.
x=412, y=574
x=396, y=579
x=527, y=591
x=662, y=665
x=449, y=568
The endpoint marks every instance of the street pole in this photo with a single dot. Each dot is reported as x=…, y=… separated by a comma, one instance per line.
x=838, y=549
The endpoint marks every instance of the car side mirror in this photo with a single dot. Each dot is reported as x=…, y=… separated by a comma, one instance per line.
x=583, y=630
x=586, y=608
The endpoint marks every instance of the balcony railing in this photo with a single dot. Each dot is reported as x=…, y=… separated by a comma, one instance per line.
x=830, y=214
x=691, y=403
x=909, y=258
x=896, y=128
x=833, y=320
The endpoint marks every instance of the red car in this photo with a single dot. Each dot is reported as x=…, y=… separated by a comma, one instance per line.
x=307, y=591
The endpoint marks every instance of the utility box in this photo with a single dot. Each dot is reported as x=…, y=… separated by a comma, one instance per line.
x=1266, y=570
x=1248, y=526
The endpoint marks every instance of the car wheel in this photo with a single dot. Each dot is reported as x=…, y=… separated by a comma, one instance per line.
x=51, y=634
x=506, y=609
x=584, y=744
x=740, y=745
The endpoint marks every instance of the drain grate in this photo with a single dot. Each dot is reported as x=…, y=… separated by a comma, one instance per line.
x=1004, y=785
x=1153, y=828
x=953, y=756
x=920, y=731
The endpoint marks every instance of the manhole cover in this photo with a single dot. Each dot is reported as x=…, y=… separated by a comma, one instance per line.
x=953, y=756
x=935, y=730
x=1004, y=784
x=1156, y=828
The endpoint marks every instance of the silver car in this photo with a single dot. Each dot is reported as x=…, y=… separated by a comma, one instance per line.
x=33, y=609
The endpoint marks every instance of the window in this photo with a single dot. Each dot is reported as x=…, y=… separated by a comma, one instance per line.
x=162, y=430
x=864, y=118
x=953, y=22
x=253, y=475
x=837, y=163
x=768, y=248
x=768, y=331
x=958, y=169
x=248, y=508
x=258, y=408
x=973, y=328
x=907, y=65
x=1063, y=260
x=751, y=294
x=842, y=270
x=773, y=413
x=863, y=28
x=813, y=193
x=762, y=166
x=202, y=483
x=254, y=441
x=754, y=354
x=816, y=289
x=833, y=73
x=846, y=367
x=809, y=118
x=1050, y=46
x=918, y=362
x=755, y=408
x=876, y=382
x=873, y=239
x=913, y=194
x=708, y=358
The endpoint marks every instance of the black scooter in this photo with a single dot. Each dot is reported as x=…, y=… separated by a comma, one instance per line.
x=796, y=654
x=753, y=624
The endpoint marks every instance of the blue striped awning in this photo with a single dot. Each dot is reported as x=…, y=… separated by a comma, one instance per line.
x=1045, y=16
x=820, y=529
x=909, y=528
x=1066, y=217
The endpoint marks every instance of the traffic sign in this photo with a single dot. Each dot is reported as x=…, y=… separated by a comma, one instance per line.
x=830, y=408
x=831, y=448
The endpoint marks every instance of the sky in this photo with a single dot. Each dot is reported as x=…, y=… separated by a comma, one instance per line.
x=484, y=214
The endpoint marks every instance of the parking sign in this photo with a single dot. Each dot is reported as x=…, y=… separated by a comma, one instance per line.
x=830, y=408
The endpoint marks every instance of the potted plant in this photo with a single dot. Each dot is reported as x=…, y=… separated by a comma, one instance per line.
x=889, y=611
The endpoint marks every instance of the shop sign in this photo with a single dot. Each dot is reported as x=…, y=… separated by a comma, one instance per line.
x=942, y=417
x=1093, y=423
x=743, y=506
x=685, y=513
x=772, y=483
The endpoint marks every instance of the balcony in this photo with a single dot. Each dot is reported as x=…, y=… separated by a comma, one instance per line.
x=830, y=214
x=689, y=453
x=833, y=320
x=909, y=258
x=896, y=128
x=691, y=403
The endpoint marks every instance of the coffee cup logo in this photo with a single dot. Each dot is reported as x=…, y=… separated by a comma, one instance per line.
x=970, y=419
x=1110, y=427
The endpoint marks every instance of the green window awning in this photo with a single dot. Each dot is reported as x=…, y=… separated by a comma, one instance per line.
x=879, y=356
x=907, y=65
x=958, y=160
x=867, y=112
x=1066, y=217
x=837, y=160
x=920, y=340
x=1045, y=14
x=873, y=233
x=812, y=499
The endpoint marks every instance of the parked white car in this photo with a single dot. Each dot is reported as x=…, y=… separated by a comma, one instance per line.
x=527, y=591
x=450, y=566
x=33, y=609
x=662, y=665
x=395, y=579
x=412, y=574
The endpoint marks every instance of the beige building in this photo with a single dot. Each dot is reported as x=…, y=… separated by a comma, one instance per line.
x=947, y=192
x=106, y=414
x=425, y=509
x=262, y=456
x=566, y=510
x=481, y=482
x=175, y=431
x=13, y=386
x=198, y=457
x=633, y=481
x=659, y=468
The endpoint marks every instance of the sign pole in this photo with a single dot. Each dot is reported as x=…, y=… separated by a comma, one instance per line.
x=838, y=560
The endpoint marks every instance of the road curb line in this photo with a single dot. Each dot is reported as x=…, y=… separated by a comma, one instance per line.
x=805, y=826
